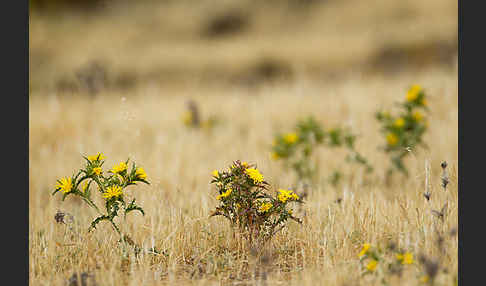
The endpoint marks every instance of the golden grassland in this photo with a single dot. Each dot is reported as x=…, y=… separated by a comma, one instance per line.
x=146, y=126
x=161, y=46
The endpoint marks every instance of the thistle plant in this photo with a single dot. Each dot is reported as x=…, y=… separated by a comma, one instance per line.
x=192, y=117
x=245, y=201
x=373, y=259
x=110, y=185
x=295, y=149
x=404, y=132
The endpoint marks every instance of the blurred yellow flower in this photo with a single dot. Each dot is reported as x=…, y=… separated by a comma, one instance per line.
x=119, y=168
x=96, y=157
x=424, y=102
x=364, y=250
x=424, y=279
x=417, y=116
x=65, y=185
x=244, y=164
x=371, y=266
x=413, y=92
x=187, y=118
x=392, y=139
x=290, y=211
x=254, y=175
x=140, y=173
x=112, y=191
x=407, y=258
x=224, y=194
x=399, y=123
x=275, y=156
x=265, y=207
x=291, y=138
x=215, y=173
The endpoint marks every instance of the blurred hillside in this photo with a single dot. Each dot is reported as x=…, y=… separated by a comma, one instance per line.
x=121, y=45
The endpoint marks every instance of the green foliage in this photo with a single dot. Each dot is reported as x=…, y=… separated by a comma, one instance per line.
x=295, y=149
x=404, y=132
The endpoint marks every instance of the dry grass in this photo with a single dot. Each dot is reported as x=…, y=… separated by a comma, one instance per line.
x=147, y=127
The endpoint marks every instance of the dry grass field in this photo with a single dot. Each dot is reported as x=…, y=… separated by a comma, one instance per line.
x=167, y=63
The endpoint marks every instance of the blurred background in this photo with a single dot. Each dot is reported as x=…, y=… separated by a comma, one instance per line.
x=121, y=45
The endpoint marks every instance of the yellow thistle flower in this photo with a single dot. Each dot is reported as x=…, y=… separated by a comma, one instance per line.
x=265, y=207
x=140, y=173
x=65, y=184
x=119, y=168
x=291, y=138
x=290, y=211
x=424, y=279
x=413, y=92
x=85, y=186
x=112, y=191
x=392, y=139
x=284, y=195
x=275, y=156
x=187, y=118
x=407, y=258
x=364, y=250
x=97, y=171
x=371, y=266
x=215, y=173
x=254, y=175
x=244, y=164
x=96, y=157
x=417, y=116
x=399, y=123
x=224, y=194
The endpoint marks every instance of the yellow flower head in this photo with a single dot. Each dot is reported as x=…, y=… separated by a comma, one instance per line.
x=224, y=194
x=290, y=211
x=407, y=258
x=399, y=123
x=97, y=171
x=392, y=139
x=187, y=118
x=424, y=102
x=119, y=168
x=85, y=186
x=65, y=185
x=371, y=266
x=265, y=207
x=140, y=173
x=364, y=250
x=97, y=157
x=424, y=279
x=290, y=138
x=275, y=156
x=284, y=195
x=254, y=175
x=417, y=116
x=215, y=173
x=244, y=164
x=413, y=92
x=112, y=191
